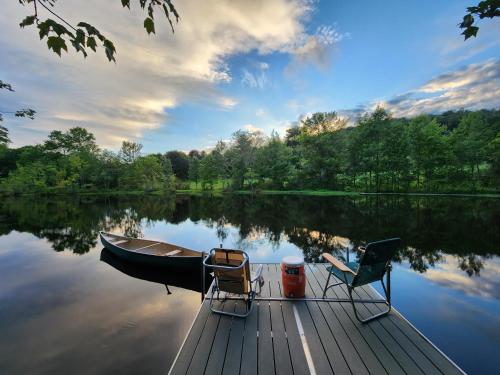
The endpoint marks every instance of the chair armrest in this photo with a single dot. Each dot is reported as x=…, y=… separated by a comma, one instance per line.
x=337, y=263
x=257, y=274
x=361, y=249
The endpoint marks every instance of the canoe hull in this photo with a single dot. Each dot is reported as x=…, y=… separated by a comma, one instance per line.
x=191, y=280
x=177, y=262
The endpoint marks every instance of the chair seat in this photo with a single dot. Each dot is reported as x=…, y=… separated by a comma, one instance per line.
x=340, y=275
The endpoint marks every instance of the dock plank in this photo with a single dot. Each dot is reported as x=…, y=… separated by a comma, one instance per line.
x=365, y=352
x=186, y=353
x=282, y=360
x=249, y=351
x=200, y=356
x=265, y=354
x=299, y=362
x=232, y=361
x=268, y=340
x=382, y=347
x=218, y=351
x=330, y=343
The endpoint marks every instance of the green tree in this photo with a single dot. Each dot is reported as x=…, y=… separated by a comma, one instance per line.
x=321, y=149
x=76, y=139
x=367, y=148
x=130, y=152
x=429, y=149
x=146, y=173
x=469, y=141
x=194, y=170
x=241, y=155
x=209, y=171
x=493, y=152
x=395, y=156
x=180, y=164
x=273, y=162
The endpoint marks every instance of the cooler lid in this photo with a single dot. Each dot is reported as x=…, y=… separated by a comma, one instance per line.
x=293, y=260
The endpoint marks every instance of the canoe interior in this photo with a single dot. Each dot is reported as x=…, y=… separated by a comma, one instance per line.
x=148, y=247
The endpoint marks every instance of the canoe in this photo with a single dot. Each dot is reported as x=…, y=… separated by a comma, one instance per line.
x=151, y=253
x=178, y=278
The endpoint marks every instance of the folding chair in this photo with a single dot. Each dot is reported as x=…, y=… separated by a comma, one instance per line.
x=231, y=271
x=374, y=263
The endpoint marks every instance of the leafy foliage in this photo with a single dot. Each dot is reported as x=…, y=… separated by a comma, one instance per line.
x=59, y=32
x=71, y=161
x=484, y=9
x=452, y=152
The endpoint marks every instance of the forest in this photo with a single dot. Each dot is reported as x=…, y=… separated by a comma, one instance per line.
x=453, y=152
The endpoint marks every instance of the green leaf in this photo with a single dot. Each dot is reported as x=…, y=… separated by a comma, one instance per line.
x=43, y=29
x=149, y=25
x=79, y=47
x=80, y=37
x=126, y=3
x=168, y=17
x=110, y=50
x=91, y=43
x=6, y=86
x=29, y=20
x=56, y=43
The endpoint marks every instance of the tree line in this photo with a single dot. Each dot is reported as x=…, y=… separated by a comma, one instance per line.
x=71, y=161
x=451, y=152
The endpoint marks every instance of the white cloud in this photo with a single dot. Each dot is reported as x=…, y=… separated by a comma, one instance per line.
x=263, y=65
x=252, y=128
x=152, y=75
x=260, y=112
x=254, y=80
x=316, y=49
x=473, y=87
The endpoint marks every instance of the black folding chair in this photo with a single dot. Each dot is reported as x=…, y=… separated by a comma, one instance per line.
x=374, y=263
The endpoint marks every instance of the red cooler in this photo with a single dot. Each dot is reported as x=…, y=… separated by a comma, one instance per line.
x=293, y=277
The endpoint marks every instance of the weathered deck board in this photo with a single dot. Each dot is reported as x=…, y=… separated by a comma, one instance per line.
x=269, y=341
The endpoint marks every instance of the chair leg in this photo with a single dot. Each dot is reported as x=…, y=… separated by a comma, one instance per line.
x=250, y=302
x=329, y=286
x=387, y=302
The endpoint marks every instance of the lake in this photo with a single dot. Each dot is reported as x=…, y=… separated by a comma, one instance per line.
x=65, y=307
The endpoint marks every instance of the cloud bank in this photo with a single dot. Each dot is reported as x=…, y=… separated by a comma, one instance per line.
x=473, y=87
x=152, y=75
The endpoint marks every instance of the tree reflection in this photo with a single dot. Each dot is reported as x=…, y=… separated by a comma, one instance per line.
x=430, y=227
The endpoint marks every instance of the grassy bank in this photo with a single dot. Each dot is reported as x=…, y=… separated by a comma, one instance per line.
x=219, y=190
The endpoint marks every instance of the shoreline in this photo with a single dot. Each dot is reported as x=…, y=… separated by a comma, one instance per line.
x=218, y=192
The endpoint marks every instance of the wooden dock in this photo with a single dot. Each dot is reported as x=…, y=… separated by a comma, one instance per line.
x=306, y=337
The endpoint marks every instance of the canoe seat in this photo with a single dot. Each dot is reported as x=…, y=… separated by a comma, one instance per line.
x=173, y=252
x=120, y=242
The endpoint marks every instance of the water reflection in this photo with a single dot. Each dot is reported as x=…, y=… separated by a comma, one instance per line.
x=74, y=314
x=91, y=316
x=192, y=280
x=431, y=227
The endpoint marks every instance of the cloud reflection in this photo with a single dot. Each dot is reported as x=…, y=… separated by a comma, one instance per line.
x=449, y=274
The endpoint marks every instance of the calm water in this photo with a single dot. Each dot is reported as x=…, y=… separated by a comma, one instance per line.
x=64, y=310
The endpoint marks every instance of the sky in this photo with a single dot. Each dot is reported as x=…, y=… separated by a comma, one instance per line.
x=238, y=64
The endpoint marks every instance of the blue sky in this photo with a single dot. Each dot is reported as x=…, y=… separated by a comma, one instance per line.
x=252, y=65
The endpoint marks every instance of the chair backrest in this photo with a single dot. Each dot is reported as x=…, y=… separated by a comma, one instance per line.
x=231, y=280
x=375, y=261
